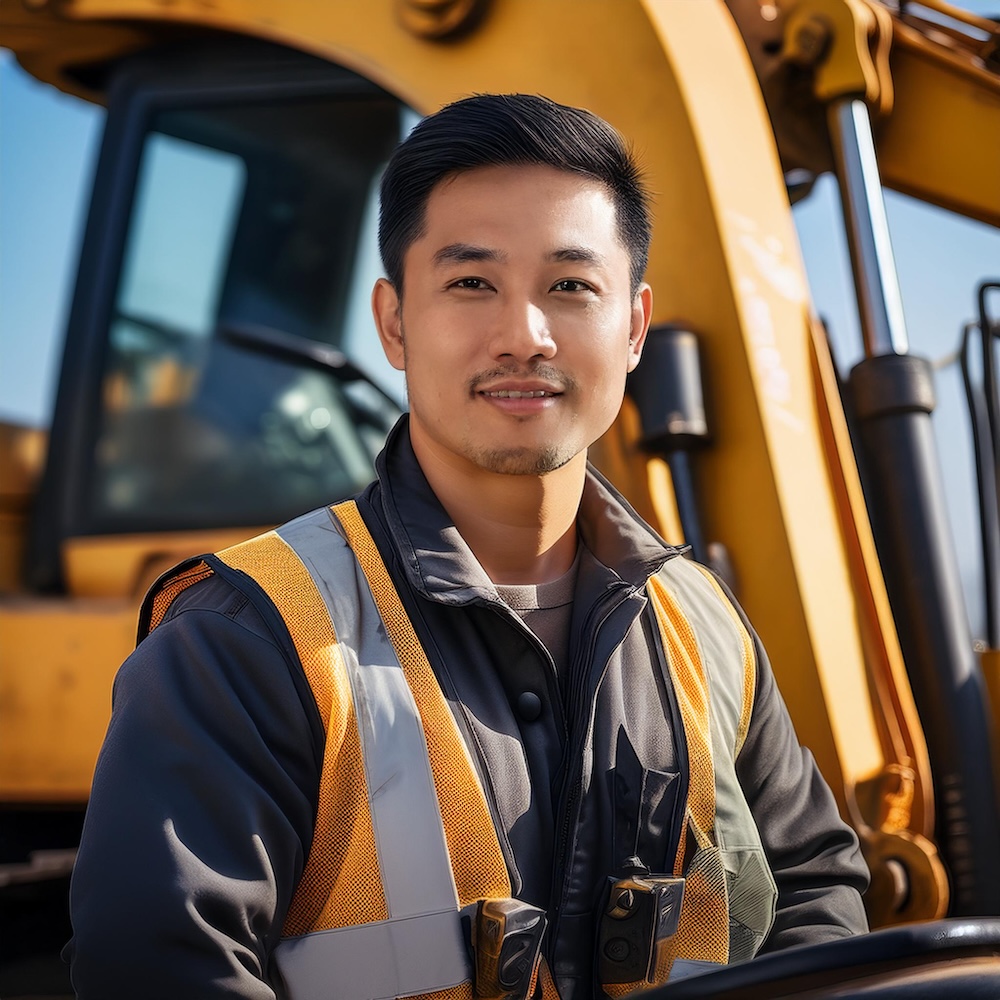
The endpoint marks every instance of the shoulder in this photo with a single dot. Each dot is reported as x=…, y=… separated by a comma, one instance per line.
x=205, y=591
x=246, y=581
x=208, y=634
x=233, y=612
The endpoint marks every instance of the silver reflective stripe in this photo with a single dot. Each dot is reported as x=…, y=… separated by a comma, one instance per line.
x=413, y=858
x=684, y=968
x=390, y=958
x=752, y=891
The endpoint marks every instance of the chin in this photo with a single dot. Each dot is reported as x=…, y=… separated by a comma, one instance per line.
x=523, y=461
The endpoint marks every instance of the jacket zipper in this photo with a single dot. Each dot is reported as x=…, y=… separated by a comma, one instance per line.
x=486, y=779
x=571, y=789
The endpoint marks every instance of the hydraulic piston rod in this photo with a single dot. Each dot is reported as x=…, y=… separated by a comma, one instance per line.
x=881, y=306
x=893, y=398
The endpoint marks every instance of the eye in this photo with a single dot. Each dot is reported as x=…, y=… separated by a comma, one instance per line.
x=571, y=285
x=472, y=284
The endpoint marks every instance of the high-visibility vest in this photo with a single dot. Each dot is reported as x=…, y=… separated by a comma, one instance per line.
x=404, y=838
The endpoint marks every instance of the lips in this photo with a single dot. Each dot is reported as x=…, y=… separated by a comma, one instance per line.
x=517, y=393
x=505, y=385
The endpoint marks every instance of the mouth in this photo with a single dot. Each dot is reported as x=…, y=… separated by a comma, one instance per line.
x=517, y=393
x=521, y=394
x=520, y=398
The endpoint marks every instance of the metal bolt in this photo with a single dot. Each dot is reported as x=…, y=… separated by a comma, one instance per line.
x=440, y=19
x=812, y=39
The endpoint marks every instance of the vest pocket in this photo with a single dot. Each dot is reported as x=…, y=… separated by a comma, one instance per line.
x=703, y=933
x=646, y=811
x=753, y=896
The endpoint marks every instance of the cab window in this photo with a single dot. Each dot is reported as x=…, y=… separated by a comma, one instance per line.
x=250, y=222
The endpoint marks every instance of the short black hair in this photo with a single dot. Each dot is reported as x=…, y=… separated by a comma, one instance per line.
x=489, y=130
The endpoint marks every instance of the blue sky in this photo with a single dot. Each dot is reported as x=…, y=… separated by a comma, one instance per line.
x=48, y=148
x=48, y=142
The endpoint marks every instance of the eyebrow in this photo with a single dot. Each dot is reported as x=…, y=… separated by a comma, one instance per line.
x=464, y=253
x=577, y=255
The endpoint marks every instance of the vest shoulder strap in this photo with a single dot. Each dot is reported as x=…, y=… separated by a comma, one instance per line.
x=712, y=666
x=476, y=856
x=403, y=835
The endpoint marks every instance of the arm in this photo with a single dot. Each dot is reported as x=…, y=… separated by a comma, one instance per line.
x=813, y=854
x=202, y=809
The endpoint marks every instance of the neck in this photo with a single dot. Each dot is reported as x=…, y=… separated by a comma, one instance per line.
x=522, y=529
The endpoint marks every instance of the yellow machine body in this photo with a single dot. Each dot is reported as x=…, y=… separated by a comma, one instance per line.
x=689, y=84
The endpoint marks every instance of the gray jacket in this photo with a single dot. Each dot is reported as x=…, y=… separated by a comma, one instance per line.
x=204, y=799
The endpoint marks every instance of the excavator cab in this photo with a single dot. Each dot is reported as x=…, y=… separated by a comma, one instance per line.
x=234, y=219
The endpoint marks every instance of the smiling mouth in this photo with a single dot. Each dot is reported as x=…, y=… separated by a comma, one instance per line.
x=517, y=394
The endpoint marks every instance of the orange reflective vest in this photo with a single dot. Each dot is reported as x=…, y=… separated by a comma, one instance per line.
x=404, y=838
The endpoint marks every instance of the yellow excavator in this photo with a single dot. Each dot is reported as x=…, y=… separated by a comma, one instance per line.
x=219, y=376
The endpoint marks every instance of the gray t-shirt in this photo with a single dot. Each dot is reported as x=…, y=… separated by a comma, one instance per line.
x=546, y=608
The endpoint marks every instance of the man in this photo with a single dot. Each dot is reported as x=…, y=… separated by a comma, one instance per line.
x=485, y=712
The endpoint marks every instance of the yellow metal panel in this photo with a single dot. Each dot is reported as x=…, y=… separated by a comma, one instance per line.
x=127, y=565
x=942, y=141
x=766, y=490
x=57, y=661
x=675, y=77
x=46, y=45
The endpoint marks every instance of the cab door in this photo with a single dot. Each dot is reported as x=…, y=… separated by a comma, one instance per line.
x=233, y=222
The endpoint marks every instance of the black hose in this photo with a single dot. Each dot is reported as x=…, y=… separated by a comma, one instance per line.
x=687, y=503
x=990, y=389
x=984, y=448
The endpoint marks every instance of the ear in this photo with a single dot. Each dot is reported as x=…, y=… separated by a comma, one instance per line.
x=388, y=313
x=642, y=313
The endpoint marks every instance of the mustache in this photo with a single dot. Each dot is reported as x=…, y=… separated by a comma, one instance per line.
x=542, y=371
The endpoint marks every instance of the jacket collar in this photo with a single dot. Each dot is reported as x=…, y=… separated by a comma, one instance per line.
x=440, y=565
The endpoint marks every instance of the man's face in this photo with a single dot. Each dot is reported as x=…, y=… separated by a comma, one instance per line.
x=517, y=325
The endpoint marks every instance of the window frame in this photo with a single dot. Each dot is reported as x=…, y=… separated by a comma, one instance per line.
x=211, y=73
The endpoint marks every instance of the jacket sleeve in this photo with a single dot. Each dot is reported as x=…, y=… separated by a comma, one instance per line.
x=201, y=813
x=814, y=855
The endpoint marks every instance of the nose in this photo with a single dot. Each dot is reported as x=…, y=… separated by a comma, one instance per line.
x=522, y=332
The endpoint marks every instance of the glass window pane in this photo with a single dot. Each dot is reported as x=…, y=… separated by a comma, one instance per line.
x=248, y=219
x=185, y=212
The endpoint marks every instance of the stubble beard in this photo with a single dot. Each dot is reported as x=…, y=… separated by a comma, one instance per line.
x=520, y=461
